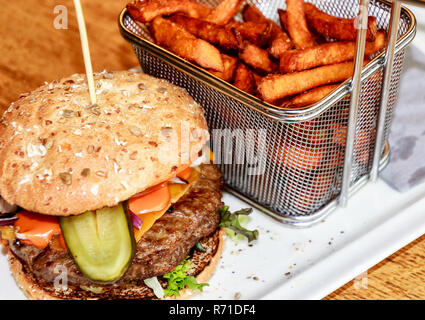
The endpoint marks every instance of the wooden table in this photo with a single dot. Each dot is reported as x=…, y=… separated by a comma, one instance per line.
x=33, y=51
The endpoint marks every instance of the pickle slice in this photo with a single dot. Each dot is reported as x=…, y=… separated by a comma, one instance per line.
x=101, y=242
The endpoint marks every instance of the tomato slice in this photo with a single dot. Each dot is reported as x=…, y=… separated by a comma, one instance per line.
x=184, y=174
x=36, y=229
x=153, y=199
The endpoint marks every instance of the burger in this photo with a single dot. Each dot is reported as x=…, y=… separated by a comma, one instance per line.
x=115, y=200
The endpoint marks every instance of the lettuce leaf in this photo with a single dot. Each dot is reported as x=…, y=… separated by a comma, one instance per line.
x=154, y=284
x=179, y=279
x=233, y=221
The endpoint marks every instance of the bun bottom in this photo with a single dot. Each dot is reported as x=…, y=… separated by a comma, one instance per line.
x=32, y=290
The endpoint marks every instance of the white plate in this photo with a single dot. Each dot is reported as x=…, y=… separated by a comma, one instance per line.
x=308, y=263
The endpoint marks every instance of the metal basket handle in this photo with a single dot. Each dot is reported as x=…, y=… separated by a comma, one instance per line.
x=356, y=86
x=385, y=93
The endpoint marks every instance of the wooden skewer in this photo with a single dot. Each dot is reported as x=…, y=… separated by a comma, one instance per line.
x=86, y=50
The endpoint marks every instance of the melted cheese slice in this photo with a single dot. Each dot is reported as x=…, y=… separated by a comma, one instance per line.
x=177, y=190
x=7, y=233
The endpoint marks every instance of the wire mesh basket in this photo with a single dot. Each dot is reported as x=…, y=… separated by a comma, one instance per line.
x=289, y=163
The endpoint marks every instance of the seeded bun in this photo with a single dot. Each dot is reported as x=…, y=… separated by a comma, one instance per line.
x=60, y=155
x=203, y=263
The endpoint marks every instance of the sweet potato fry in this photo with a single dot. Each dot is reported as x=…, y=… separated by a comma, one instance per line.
x=309, y=133
x=181, y=42
x=230, y=64
x=258, y=33
x=256, y=57
x=244, y=79
x=309, y=97
x=280, y=44
x=283, y=19
x=252, y=13
x=309, y=191
x=335, y=158
x=280, y=41
x=257, y=78
x=377, y=45
x=274, y=87
x=362, y=146
x=146, y=11
x=300, y=157
x=336, y=28
x=284, y=24
x=327, y=53
x=224, y=12
x=338, y=133
x=211, y=32
x=297, y=25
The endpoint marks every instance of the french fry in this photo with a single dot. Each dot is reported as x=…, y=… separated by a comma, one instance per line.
x=310, y=191
x=301, y=158
x=181, y=42
x=309, y=133
x=284, y=24
x=230, y=64
x=335, y=158
x=258, y=33
x=336, y=28
x=380, y=43
x=256, y=57
x=362, y=147
x=283, y=19
x=224, y=12
x=146, y=11
x=244, y=79
x=207, y=31
x=252, y=13
x=257, y=78
x=280, y=41
x=309, y=97
x=274, y=86
x=327, y=53
x=361, y=144
x=338, y=134
x=280, y=44
x=297, y=25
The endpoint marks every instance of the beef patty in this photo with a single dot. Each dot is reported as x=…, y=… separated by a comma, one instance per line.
x=162, y=247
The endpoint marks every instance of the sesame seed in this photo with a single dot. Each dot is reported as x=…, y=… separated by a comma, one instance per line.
x=65, y=177
x=135, y=130
x=142, y=86
x=68, y=113
x=133, y=155
x=85, y=172
x=101, y=173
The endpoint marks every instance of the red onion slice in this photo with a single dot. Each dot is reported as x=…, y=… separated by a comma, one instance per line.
x=8, y=221
x=178, y=180
x=200, y=160
x=137, y=222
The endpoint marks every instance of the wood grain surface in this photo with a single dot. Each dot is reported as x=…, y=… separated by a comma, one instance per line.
x=33, y=51
x=399, y=277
